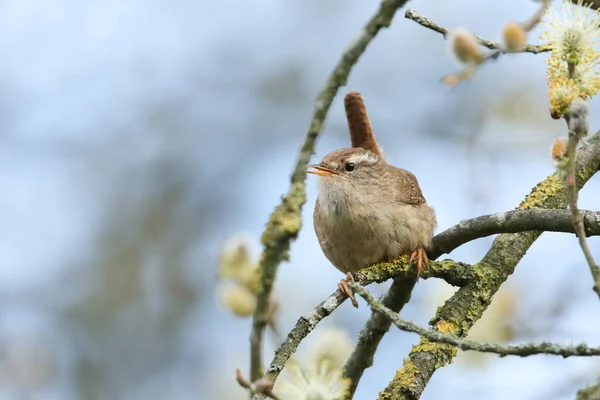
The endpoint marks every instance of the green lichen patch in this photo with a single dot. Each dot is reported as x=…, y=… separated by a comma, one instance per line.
x=446, y=327
x=485, y=275
x=425, y=346
x=405, y=376
x=382, y=271
x=385, y=270
x=583, y=174
x=286, y=220
x=444, y=265
x=542, y=192
x=442, y=352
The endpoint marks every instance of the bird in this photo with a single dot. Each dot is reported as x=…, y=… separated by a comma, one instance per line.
x=367, y=210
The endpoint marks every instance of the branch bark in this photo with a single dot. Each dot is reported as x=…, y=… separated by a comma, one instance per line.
x=285, y=222
x=467, y=305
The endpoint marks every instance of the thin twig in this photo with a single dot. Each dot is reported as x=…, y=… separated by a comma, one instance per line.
x=523, y=350
x=578, y=125
x=577, y=220
x=286, y=220
x=537, y=17
x=428, y=23
x=497, y=49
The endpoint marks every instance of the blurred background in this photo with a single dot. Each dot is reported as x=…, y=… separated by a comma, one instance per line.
x=137, y=136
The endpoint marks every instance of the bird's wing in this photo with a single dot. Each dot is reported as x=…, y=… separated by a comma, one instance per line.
x=408, y=188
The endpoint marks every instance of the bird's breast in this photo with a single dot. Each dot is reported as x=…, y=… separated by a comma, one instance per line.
x=355, y=234
x=352, y=238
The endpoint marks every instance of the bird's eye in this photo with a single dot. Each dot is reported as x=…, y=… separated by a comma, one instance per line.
x=349, y=167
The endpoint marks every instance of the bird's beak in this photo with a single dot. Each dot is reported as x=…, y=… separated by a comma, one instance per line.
x=320, y=169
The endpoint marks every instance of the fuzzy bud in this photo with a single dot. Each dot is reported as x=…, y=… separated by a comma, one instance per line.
x=334, y=347
x=239, y=300
x=236, y=254
x=563, y=93
x=236, y=263
x=559, y=155
x=513, y=37
x=577, y=118
x=451, y=80
x=465, y=47
x=571, y=31
x=320, y=383
x=264, y=385
x=559, y=149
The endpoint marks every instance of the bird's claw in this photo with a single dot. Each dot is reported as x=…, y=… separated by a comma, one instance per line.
x=420, y=257
x=343, y=286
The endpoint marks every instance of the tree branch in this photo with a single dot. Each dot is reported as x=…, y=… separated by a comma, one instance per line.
x=459, y=274
x=455, y=273
x=308, y=322
x=522, y=350
x=467, y=305
x=533, y=219
x=285, y=221
x=427, y=23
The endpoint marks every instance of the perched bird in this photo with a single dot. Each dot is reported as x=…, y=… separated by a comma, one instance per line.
x=367, y=210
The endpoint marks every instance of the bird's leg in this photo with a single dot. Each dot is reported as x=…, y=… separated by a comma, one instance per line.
x=343, y=286
x=421, y=257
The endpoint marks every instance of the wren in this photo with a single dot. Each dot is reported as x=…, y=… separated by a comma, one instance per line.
x=368, y=211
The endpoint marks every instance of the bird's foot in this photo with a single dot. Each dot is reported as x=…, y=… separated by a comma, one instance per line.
x=420, y=257
x=343, y=286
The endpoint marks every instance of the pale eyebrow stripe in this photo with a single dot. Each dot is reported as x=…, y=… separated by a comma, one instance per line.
x=357, y=158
